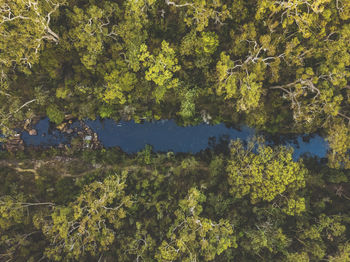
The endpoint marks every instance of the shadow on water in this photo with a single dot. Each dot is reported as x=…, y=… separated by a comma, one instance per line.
x=312, y=144
x=163, y=135
x=166, y=135
x=47, y=135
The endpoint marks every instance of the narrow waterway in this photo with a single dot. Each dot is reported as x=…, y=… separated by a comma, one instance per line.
x=164, y=135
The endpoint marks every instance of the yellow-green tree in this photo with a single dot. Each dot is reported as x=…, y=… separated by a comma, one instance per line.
x=91, y=29
x=339, y=143
x=24, y=28
x=192, y=237
x=160, y=69
x=90, y=223
x=266, y=174
x=200, y=13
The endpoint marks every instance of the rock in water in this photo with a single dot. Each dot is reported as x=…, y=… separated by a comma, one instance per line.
x=88, y=138
x=32, y=132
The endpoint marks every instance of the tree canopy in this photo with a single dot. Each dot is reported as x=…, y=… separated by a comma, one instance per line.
x=281, y=67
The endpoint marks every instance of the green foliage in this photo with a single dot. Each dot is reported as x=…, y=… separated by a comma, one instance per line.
x=55, y=115
x=246, y=88
x=264, y=175
x=168, y=207
x=339, y=142
x=118, y=84
x=199, y=13
x=11, y=211
x=24, y=27
x=302, y=257
x=193, y=237
x=316, y=235
x=160, y=69
x=106, y=111
x=266, y=237
x=132, y=31
x=146, y=154
x=343, y=254
x=91, y=29
x=89, y=224
x=208, y=43
x=188, y=107
x=279, y=66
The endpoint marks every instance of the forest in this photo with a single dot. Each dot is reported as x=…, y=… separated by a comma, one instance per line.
x=281, y=67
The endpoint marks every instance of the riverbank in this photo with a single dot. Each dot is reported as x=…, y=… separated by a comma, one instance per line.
x=162, y=135
x=47, y=188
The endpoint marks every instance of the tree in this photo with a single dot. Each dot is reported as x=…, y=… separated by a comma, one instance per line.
x=92, y=28
x=54, y=114
x=188, y=107
x=201, y=46
x=132, y=30
x=198, y=13
x=160, y=69
x=12, y=108
x=320, y=233
x=265, y=236
x=16, y=228
x=24, y=27
x=343, y=254
x=192, y=237
x=90, y=223
x=339, y=143
x=244, y=85
x=266, y=174
x=11, y=211
x=318, y=68
x=118, y=85
x=303, y=14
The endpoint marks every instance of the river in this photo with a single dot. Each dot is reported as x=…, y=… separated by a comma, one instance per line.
x=164, y=136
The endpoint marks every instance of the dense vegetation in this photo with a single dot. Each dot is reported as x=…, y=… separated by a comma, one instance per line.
x=243, y=204
x=279, y=66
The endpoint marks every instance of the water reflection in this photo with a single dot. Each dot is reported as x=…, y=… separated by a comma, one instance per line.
x=165, y=136
x=46, y=136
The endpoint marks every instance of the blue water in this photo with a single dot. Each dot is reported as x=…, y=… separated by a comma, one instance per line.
x=165, y=135
x=317, y=146
x=45, y=136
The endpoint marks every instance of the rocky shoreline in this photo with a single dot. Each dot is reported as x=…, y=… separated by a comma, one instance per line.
x=82, y=133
